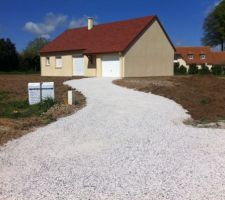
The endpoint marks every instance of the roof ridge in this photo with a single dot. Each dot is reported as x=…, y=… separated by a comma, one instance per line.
x=114, y=22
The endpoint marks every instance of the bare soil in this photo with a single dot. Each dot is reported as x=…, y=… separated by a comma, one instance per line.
x=16, y=87
x=202, y=96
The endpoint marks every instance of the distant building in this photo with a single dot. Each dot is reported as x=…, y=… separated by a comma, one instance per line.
x=198, y=55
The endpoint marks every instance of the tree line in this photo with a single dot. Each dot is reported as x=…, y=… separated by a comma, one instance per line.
x=25, y=61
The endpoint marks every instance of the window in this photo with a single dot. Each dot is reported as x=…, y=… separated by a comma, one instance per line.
x=47, y=61
x=190, y=56
x=203, y=56
x=58, y=62
x=177, y=56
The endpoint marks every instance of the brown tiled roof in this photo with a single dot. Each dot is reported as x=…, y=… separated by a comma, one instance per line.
x=196, y=52
x=212, y=57
x=105, y=38
x=218, y=58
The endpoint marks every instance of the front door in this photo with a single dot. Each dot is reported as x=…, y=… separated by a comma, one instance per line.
x=78, y=65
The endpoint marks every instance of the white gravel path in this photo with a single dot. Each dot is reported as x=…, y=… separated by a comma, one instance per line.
x=123, y=145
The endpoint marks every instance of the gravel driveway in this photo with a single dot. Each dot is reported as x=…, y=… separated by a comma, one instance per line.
x=123, y=145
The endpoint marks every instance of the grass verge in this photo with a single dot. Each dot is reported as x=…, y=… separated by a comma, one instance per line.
x=17, y=117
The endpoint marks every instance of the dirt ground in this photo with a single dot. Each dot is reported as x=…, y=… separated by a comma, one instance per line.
x=16, y=86
x=202, y=96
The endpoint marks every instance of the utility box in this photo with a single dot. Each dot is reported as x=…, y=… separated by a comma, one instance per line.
x=34, y=93
x=40, y=91
x=47, y=90
x=71, y=97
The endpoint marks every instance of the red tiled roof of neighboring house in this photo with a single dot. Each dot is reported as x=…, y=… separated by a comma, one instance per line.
x=184, y=52
x=104, y=38
x=218, y=58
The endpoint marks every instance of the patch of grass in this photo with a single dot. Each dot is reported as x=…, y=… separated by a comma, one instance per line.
x=205, y=101
x=17, y=117
x=20, y=108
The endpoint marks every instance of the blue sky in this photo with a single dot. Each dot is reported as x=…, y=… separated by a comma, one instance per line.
x=23, y=20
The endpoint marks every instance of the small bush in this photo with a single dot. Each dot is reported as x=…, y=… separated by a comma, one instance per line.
x=205, y=101
x=176, y=68
x=181, y=70
x=204, y=69
x=193, y=69
x=46, y=104
x=217, y=70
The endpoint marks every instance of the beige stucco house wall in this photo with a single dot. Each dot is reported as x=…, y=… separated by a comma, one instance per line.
x=91, y=70
x=51, y=70
x=151, y=55
x=67, y=65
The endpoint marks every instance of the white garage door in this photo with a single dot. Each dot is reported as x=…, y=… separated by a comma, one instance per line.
x=78, y=65
x=111, y=66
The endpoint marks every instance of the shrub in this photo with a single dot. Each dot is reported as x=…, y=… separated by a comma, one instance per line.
x=176, y=68
x=204, y=69
x=181, y=70
x=217, y=70
x=205, y=101
x=46, y=104
x=193, y=69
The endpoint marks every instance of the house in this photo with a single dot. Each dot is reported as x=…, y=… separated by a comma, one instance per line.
x=218, y=58
x=132, y=48
x=202, y=55
x=187, y=56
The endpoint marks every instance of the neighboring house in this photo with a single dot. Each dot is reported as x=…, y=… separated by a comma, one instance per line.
x=132, y=48
x=198, y=55
x=218, y=58
x=193, y=55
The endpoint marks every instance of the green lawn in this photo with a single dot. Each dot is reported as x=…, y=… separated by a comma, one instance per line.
x=20, y=108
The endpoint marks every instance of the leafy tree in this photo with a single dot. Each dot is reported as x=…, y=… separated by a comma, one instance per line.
x=214, y=27
x=35, y=45
x=8, y=55
x=30, y=58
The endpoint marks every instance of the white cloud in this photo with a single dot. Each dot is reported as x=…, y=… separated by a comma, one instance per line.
x=79, y=22
x=44, y=29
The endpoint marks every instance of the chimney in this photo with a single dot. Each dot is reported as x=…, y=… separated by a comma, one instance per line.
x=90, y=23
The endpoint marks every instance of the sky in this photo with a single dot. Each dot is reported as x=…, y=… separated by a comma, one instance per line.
x=24, y=20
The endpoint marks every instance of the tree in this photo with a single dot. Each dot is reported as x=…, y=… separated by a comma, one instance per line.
x=35, y=45
x=30, y=58
x=214, y=27
x=8, y=55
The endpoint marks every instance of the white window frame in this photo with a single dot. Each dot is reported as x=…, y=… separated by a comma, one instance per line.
x=191, y=56
x=47, y=61
x=203, y=56
x=58, y=62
